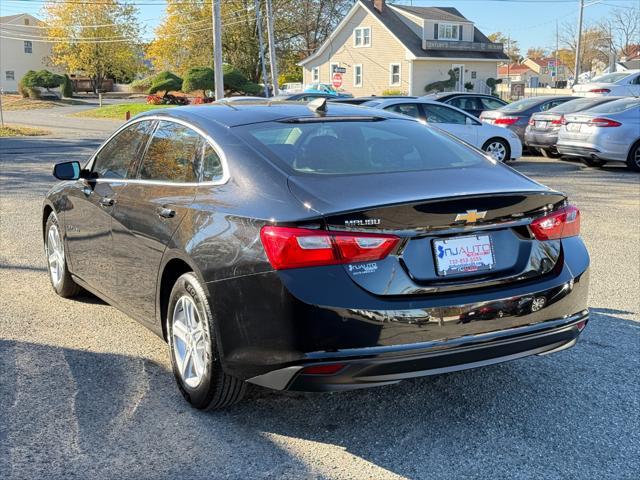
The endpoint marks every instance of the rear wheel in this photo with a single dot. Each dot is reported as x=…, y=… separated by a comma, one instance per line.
x=593, y=162
x=549, y=153
x=498, y=149
x=633, y=161
x=194, y=354
x=59, y=275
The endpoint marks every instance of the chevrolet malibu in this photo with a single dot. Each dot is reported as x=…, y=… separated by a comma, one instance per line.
x=315, y=247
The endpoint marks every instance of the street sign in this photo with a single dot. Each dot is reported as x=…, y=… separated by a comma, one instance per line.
x=337, y=69
x=336, y=80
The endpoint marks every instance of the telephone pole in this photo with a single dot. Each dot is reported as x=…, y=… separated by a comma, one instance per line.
x=579, y=44
x=217, y=50
x=256, y=4
x=272, y=49
x=557, y=66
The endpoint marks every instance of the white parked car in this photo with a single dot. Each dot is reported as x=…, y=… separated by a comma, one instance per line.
x=501, y=143
x=288, y=88
x=624, y=84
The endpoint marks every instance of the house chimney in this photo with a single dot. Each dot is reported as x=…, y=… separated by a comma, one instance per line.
x=378, y=5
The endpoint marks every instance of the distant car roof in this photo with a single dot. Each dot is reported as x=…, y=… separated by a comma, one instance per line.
x=228, y=115
x=441, y=95
x=359, y=100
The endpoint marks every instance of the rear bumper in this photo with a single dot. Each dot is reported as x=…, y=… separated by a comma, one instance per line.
x=602, y=150
x=363, y=368
x=540, y=140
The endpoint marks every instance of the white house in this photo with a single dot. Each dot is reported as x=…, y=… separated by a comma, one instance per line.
x=380, y=46
x=21, y=48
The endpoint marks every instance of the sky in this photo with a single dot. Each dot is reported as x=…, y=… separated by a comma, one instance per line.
x=530, y=22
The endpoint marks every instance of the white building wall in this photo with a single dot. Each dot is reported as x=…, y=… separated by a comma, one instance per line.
x=13, y=54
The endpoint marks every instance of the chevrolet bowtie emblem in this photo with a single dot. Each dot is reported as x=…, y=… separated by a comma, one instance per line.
x=471, y=216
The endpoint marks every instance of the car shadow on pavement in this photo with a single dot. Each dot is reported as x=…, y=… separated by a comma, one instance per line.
x=569, y=415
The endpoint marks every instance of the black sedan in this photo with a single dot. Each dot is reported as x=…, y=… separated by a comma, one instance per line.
x=472, y=103
x=515, y=116
x=321, y=247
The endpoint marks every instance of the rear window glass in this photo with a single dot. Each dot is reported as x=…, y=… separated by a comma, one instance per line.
x=521, y=105
x=359, y=147
x=617, y=106
x=577, y=105
x=610, y=77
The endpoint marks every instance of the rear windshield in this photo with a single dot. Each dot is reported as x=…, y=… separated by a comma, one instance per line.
x=610, y=77
x=520, y=105
x=617, y=106
x=359, y=147
x=578, y=105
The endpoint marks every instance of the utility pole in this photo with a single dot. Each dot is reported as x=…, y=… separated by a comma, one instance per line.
x=612, y=52
x=272, y=49
x=256, y=4
x=557, y=47
x=217, y=50
x=579, y=44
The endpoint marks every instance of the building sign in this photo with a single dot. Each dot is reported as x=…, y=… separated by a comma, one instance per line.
x=458, y=46
x=337, y=69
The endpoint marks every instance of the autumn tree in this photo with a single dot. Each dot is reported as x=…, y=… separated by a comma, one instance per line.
x=536, y=53
x=511, y=47
x=99, y=40
x=623, y=27
x=594, y=47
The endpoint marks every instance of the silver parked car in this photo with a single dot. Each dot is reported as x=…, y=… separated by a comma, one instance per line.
x=607, y=133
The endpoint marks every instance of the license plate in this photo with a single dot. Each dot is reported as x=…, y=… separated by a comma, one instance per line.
x=467, y=254
x=542, y=125
x=574, y=127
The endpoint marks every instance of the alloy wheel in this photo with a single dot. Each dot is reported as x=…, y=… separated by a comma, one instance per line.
x=189, y=341
x=55, y=255
x=636, y=157
x=497, y=150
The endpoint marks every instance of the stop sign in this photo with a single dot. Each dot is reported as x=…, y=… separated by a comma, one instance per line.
x=336, y=80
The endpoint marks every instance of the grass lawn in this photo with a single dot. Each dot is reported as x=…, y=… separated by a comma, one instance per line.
x=16, y=131
x=118, y=112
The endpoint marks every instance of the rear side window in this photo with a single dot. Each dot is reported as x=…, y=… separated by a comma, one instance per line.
x=442, y=114
x=211, y=164
x=338, y=147
x=465, y=103
x=174, y=154
x=409, y=109
x=117, y=159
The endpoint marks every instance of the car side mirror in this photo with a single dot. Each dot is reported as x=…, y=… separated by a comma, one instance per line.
x=67, y=170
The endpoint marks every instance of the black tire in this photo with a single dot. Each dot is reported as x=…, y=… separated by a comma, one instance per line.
x=593, y=162
x=505, y=145
x=216, y=389
x=549, y=153
x=633, y=160
x=65, y=287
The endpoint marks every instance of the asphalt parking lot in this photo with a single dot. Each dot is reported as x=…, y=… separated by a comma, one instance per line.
x=86, y=392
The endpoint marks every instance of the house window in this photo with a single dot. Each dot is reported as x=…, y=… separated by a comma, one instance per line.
x=357, y=75
x=331, y=67
x=394, y=74
x=362, y=37
x=448, y=31
x=26, y=21
x=28, y=46
x=10, y=75
x=315, y=74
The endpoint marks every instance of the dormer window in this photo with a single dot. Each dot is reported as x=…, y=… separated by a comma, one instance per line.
x=449, y=31
x=362, y=37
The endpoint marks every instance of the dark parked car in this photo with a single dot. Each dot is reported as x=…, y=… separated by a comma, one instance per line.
x=303, y=248
x=361, y=100
x=472, y=103
x=515, y=116
x=543, y=128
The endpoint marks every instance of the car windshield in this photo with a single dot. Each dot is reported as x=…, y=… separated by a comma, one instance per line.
x=358, y=146
x=610, y=77
x=617, y=106
x=521, y=105
x=578, y=105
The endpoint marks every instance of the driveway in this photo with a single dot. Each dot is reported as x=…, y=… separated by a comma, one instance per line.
x=86, y=392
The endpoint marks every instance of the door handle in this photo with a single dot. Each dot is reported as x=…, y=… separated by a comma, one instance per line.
x=107, y=202
x=166, y=212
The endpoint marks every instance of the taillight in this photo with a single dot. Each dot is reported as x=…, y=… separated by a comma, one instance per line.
x=600, y=90
x=506, y=120
x=289, y=247
x=563, y=120
x=326, y=369
x=603, y=122
x=559, y=121
x=562, y=223
x=532, y=122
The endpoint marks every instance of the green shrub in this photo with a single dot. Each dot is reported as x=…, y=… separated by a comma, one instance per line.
x=236, y=82
x=142, y=85
x=442, y=85
x=42, y=79
x=198, y=79
x=67, y=87
x=165, y=82
x=468, y=86
x=24, y=85
x=392, y=92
